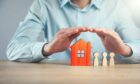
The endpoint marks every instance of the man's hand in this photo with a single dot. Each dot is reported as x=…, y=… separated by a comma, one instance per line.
x=62, y=40
x=112, y=41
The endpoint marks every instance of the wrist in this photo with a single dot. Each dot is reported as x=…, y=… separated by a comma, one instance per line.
x=127, y=51
x=46, y=50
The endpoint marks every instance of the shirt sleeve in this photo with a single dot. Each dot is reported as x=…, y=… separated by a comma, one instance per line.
x=128, y=31
x=24, y=46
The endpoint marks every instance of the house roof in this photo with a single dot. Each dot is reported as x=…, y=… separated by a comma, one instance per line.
x=79, y=41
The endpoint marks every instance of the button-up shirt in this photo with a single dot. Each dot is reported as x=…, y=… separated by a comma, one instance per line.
x=49, y=16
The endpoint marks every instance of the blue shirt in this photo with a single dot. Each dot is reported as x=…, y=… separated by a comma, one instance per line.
x=50, y=16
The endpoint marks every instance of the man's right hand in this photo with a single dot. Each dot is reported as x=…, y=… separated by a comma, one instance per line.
x=62, y=40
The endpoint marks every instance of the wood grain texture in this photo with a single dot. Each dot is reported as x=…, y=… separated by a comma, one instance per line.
x=62, y=73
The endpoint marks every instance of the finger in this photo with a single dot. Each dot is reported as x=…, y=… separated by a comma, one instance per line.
x=101, y=36
x=99, y=31
x=90, y=29
x=83, y=29
x=75, y=30
x=104, y=31
x=72, y=31
x=66, y=33
x=74, y=36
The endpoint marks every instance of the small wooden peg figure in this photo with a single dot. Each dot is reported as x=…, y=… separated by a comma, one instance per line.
x=104, y=62
x=96, y=62
x=112, y=55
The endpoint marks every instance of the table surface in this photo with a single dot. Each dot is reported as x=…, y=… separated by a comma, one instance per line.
x=62, y=73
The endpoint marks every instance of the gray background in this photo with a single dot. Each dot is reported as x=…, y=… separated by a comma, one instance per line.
x=14, y=11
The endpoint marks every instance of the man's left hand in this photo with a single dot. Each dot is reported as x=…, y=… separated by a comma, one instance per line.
x=112, y=41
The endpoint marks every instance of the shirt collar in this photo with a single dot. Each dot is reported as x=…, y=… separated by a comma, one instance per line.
x=63, y=2
x=96, y=3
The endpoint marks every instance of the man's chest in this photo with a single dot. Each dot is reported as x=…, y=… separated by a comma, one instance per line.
x=73, y=18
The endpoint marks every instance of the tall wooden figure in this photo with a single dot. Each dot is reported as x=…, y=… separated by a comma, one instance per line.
x=111, y=63
x=96, y=62
x=80, y=53
x=104, y=63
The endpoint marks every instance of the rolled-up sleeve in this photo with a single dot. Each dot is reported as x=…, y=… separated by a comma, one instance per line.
x=128, y=31
x=24, y=46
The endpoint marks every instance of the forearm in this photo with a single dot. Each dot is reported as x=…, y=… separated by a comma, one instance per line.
x=25, y=52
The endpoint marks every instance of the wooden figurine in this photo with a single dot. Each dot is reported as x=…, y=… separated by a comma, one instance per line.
x=96, y=62
x=111, y=62
x=104, y=61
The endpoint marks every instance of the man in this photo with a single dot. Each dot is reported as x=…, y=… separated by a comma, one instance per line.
x=107, y=24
